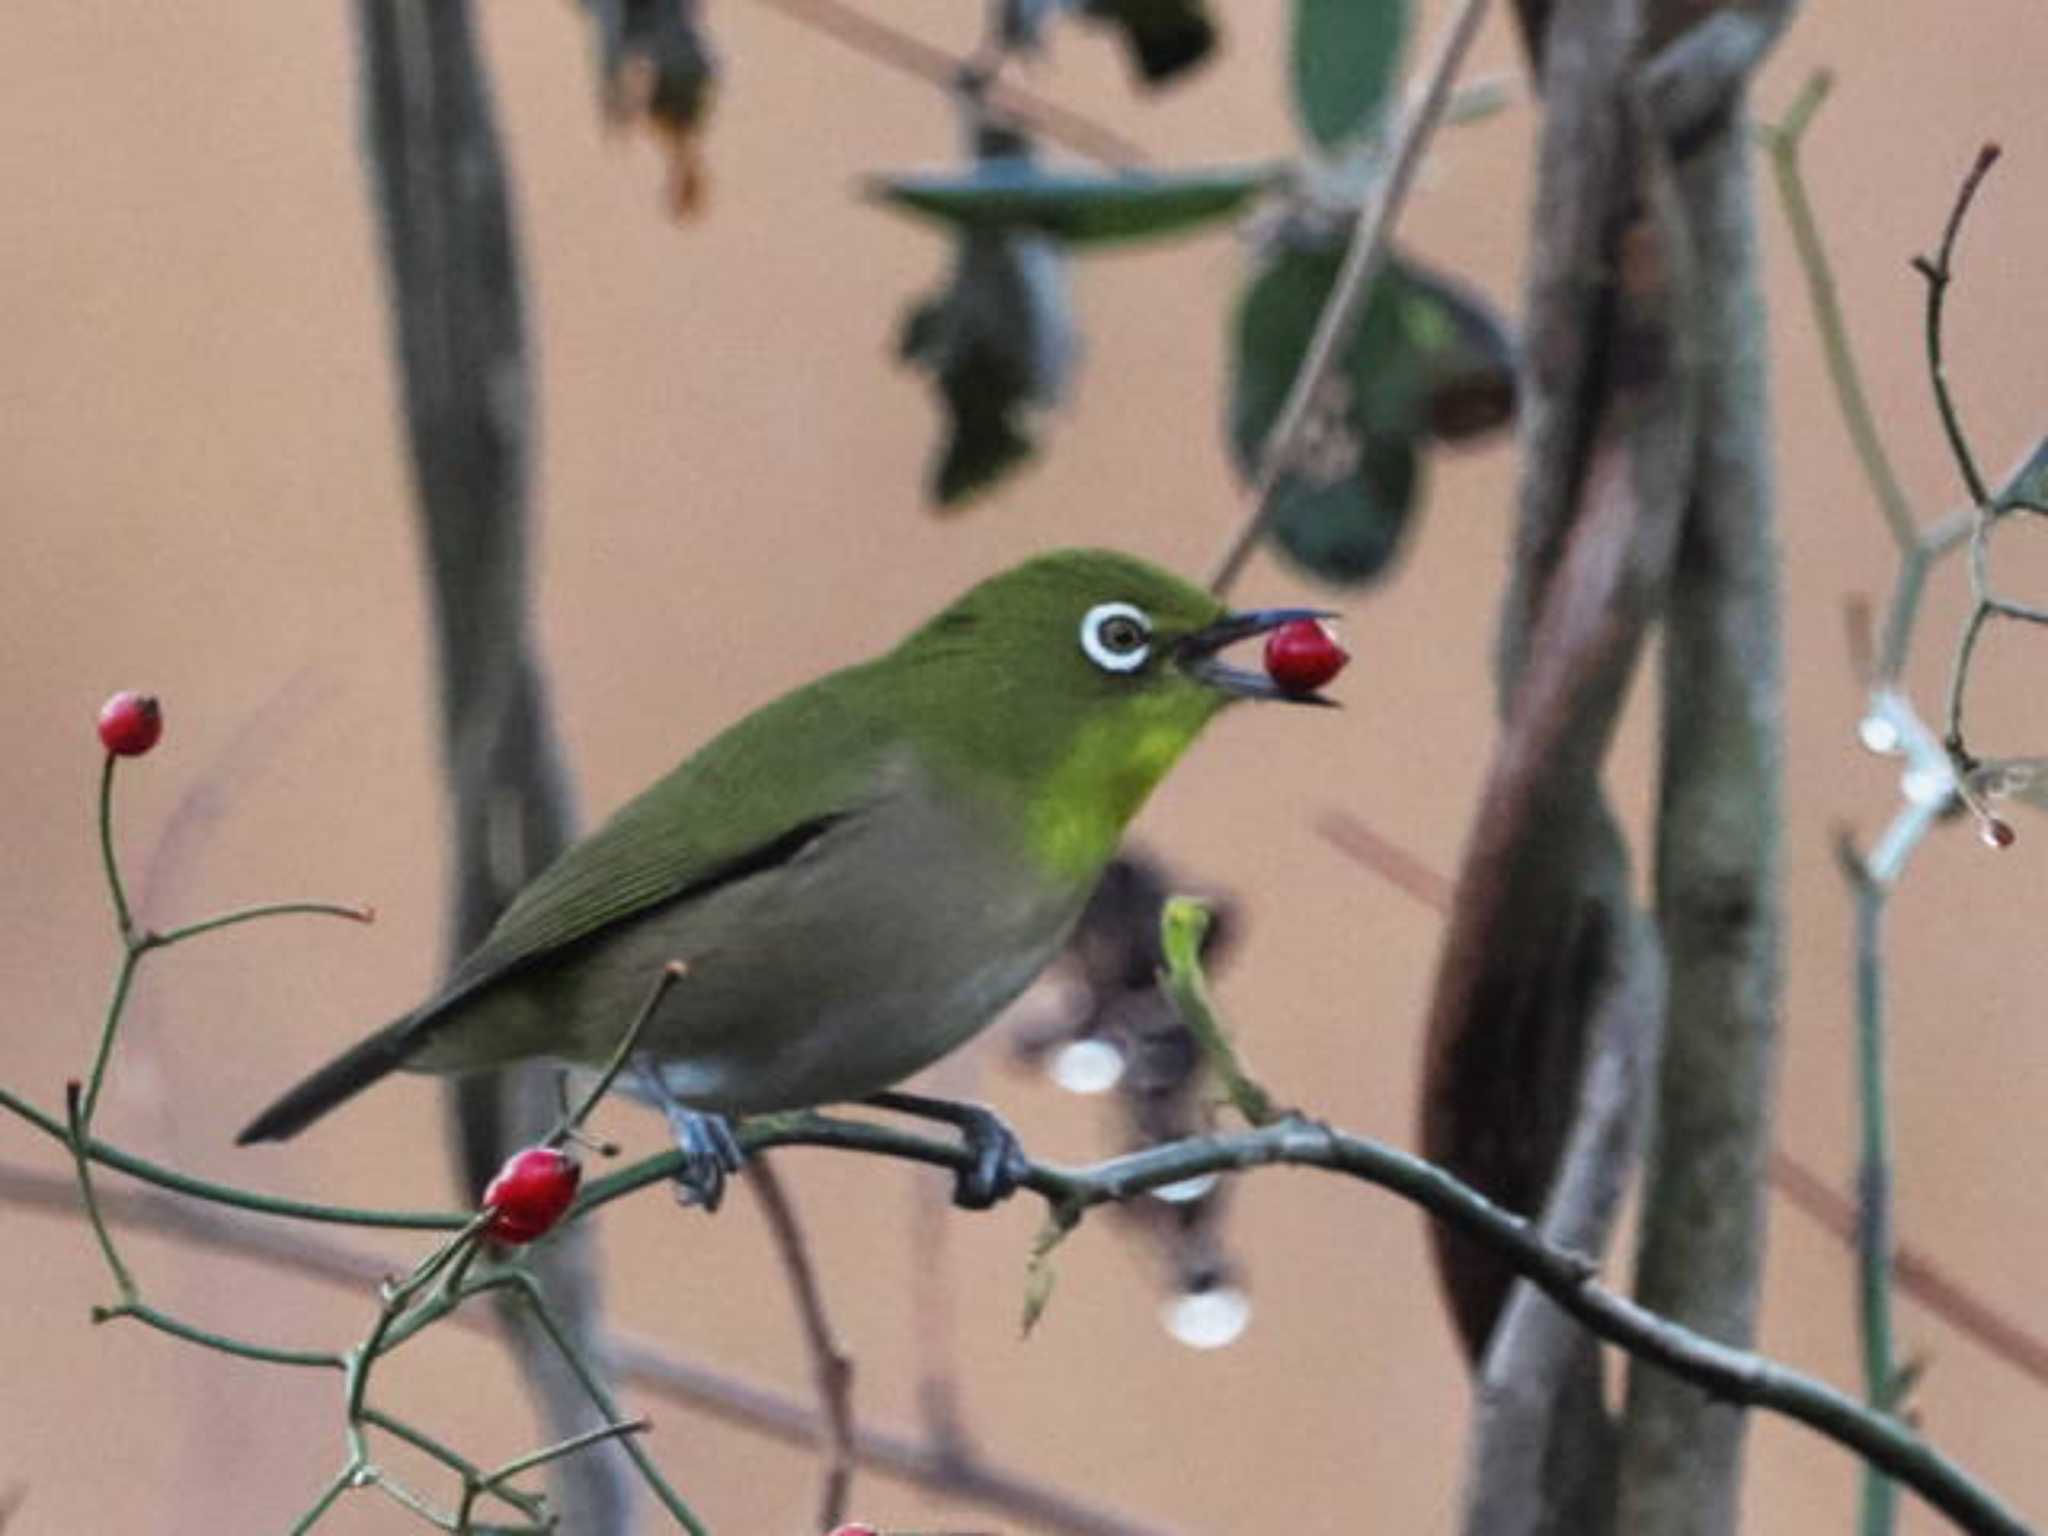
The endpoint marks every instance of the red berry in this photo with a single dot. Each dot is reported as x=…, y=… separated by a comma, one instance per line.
x=530, y=1193
x=130, y=724
x=1303, y=655
x=1997, y=832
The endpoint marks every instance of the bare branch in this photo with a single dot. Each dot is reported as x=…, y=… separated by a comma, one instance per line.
x=831, y=1366
x=897, y=49
x=1939, y=272
x=952, y=1468
x=1568, y=1278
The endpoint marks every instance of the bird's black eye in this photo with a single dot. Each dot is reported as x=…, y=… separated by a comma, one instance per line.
x=1117, y=636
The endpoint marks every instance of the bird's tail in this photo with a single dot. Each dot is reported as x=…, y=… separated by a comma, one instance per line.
x=347, y=1075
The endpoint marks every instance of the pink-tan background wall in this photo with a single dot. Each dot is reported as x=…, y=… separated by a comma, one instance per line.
x=201, y=493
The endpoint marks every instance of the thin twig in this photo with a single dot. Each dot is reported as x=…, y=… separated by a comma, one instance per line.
x=1958, y=682
x=494, y=1480
x=1362, y=261
x=939, y=1411
x=1784, y=142
x=1874, y=1242
x=571, y=1126
x=890, y=45
x=1920, y=1275
x=950, y=1468
x=353, y=914
x=108, y=1156
x=1939, y=273
x=1391, y=862
x=110, y=864
x=1739, y=1376
x=1734, y=1375
x=519, y=1283
x=831, y=1366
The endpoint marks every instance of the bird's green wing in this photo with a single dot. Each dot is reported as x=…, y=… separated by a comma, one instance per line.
x=750, y=799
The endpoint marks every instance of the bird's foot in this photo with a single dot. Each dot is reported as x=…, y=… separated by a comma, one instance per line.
x=999, y=1164
x=710, y=1151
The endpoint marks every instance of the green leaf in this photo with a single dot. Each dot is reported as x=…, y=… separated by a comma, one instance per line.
x=1079, y=207
x=1343, y=62
x=1347, y=531
x=998, y=341
x=1183, y=932
x=1467, y=352
x=1341, y=510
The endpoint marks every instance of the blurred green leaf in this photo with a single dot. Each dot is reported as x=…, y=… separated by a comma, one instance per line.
x=998, y=340
x=1079, y=207
x=1344, y=55
x=1164, y=37
x=1467, y=352
x=1341, y=509
x=1348, y=530
x=2029, y=483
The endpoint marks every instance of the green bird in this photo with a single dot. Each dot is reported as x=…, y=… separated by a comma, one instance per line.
x=858, y=876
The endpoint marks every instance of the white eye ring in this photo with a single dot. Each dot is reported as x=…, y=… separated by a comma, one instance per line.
x=1117, y=636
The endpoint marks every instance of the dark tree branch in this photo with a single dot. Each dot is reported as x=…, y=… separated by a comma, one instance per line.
x=458, y=328
x=1626, y=294
x=1733, y=1375
x=1719, y=816
x=1545, y=1020
x=1568, y=1278
x=1543, y=1446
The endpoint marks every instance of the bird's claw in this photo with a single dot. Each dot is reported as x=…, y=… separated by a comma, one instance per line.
x=999, y=1164
x=710, y=1151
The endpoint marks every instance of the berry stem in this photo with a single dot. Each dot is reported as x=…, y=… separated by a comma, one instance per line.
x=122, y=920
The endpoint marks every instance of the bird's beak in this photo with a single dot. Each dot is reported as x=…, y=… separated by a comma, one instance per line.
x=1197, y=656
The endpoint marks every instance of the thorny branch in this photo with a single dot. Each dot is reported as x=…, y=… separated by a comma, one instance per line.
x=1738, y=1376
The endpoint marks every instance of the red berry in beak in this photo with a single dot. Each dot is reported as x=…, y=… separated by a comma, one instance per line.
x=530, y=1193
x=1304, y=655
x=130, y=724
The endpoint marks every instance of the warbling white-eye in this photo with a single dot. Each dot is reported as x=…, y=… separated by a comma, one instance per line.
x=859, y=875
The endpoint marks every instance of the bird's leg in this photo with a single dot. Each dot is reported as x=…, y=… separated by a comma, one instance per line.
x=999, y=1161
x=709, y=1148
